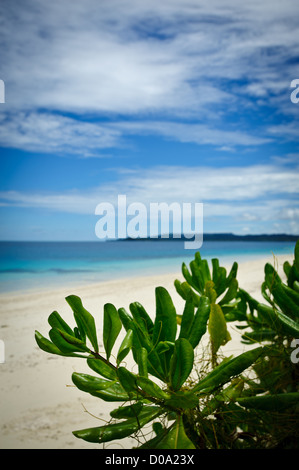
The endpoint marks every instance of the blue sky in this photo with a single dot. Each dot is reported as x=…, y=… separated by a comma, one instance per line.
x=174, y=101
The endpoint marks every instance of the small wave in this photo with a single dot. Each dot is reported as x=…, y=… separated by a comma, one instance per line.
x=36, y=271
x=67, y=271
x=18, y=270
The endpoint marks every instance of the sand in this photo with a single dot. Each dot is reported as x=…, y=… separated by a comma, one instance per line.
x=39, y=406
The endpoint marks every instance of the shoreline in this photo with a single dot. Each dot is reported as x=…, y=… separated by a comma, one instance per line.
x=48, y=284
x=39, y=406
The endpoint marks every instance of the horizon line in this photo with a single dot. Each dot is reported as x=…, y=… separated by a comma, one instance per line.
x=170, y=237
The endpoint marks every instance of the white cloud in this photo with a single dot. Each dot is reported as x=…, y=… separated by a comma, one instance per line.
x=176, y=69
x=210, y=184
x=81, y=76
x=290, y=213
x=249, y=194
x=53, y=133
x=49, y=133
x=190, y=132
x=135, y=57
x=285, y=131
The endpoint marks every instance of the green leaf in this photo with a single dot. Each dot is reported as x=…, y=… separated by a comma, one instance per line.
x=142, y=318
x=296, y=254
x=219, y=277
x=271, y=276
x=129, y=411
x=184, y=290
x=103, y=368
x=291, y=292
x=66, y=343
x=89, y=383
x=164, y=346
x=165, y=325
x=229, y=369
x=113, y=393
x=262, y=334
x=287, y=268
x=125, y=347
x=152, y=443
x=176, y=437
x=189, y=278
x=204, y=266
x=112, y=327
x=187, y=318
x=232, y=273
x=73, y=340
x=142, y=340
x=47, y=346
x=121, y=430
x=83, y=319
x=221, y=282
x=199, y=324
x=252, y=303
x=292, y=276
x=277, y=402
x=152, y=389
x=55, y=321
x=210, y=291
x=181, y=363
x=287, y=300
x=107, y=390
x=125, y=318
x=217, y=327
x=266, y=293
x=215, y=267
x=78, y=334
x=197, y=276
x=142, y=362
x=153, y=359
x=154, y=365
x=284, y=297
x=182, y=399
x=164, y=350
x=158, y=428
x=278, y=321
x=231, y=393
x=231, y=293
x=128, y=380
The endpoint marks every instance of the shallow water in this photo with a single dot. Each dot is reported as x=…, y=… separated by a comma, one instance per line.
x=25, y=265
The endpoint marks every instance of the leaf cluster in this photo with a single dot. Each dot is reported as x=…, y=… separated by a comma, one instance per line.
x=188, y=406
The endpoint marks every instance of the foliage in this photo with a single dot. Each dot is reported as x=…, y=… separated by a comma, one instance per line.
x=274, y=324
x=192, y=401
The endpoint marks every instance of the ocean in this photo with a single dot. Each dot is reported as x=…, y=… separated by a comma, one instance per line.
x=38, y=265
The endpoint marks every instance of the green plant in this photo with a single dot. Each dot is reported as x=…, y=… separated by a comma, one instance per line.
x=191, y=401
x=275, y=324
x=278, y=319
x=221, y=290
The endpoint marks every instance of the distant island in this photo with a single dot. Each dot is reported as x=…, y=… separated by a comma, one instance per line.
x=280, y=237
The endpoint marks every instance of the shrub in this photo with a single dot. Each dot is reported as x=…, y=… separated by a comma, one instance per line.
x=192, y=401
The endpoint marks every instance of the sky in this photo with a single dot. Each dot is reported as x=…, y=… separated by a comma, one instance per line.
x=182, y=101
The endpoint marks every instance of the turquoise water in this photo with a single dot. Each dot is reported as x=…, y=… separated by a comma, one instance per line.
x=26, y=265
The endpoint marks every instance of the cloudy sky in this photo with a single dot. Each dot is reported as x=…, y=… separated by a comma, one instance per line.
x=173, y=101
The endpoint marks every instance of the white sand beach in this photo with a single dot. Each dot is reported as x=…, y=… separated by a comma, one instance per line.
x=39, y=407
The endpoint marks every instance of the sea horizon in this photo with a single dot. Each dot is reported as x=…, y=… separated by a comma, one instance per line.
x=28, y=265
